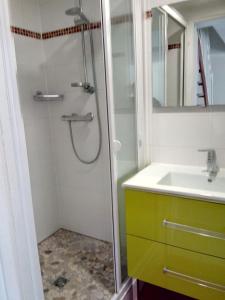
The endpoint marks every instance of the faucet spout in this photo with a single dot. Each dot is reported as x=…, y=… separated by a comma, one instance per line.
x=212, y=167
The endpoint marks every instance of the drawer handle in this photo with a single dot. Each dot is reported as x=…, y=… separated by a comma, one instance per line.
x=194, y=280
x=195, y=230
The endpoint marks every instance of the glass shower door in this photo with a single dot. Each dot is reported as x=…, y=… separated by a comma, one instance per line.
x=124, y=111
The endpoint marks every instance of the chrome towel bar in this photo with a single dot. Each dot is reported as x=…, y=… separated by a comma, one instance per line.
x=39, y=96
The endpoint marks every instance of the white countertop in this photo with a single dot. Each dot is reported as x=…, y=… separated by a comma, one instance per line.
x=148, y=180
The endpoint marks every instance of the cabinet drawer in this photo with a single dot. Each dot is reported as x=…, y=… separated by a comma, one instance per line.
x=191, y=224
x=193, y=274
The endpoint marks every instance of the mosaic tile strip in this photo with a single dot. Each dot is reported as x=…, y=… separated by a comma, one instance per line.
x=25, y=32
x=70, y=30
x=174, y=46
x=75, y=29
x=148, y=14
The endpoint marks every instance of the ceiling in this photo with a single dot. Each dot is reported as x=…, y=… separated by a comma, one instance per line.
x=197, y=4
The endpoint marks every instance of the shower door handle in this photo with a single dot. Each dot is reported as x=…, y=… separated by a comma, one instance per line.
x=117, y=146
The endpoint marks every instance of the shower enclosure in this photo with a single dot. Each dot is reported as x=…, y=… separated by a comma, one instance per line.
x=76, y=80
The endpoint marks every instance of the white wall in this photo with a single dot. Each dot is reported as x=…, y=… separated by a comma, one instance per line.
x=176, y=137
x=218, y=64
x=66, y=193
x=30, y=59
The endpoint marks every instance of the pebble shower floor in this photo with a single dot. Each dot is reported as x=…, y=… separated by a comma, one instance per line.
x=75, y=267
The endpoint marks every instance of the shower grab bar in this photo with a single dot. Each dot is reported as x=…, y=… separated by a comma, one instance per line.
x=39, y=96
x=78, y=118
x=194, y=280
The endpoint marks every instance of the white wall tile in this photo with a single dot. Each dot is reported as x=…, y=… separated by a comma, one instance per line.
x=42, y=180
x=30, y=74
x=29, y=51
x=80, y=212
x=177, y=155
x=181, y=130
x=53, y=14
x=25, y=14
x=176, y=137
x=63, y=50
x=218, y=128
x=31, y=15
x=16, y=13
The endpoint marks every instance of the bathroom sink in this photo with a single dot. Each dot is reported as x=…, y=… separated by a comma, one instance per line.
x=186, y=181
x=193, y=181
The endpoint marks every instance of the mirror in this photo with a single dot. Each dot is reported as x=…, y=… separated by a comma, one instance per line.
x=188, y=54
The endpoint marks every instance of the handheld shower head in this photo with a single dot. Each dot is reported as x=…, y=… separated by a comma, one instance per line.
x=77, y=12
x=73, y=11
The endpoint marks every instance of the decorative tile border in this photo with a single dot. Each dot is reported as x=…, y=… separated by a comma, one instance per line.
x=174, y=46
x=25, y=32
x=148, y=14
x=75, y=29
x=72, y=29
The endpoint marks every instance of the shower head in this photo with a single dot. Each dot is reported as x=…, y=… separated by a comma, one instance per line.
x=73, y=11
x=77, y=12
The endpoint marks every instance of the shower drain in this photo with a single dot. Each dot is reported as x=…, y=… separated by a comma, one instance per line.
x=60, y=282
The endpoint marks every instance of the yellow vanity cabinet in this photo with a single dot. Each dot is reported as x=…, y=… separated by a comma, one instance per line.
x=190, y=224
x=176, y=243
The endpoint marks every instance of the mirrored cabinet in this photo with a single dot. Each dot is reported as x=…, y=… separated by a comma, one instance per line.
x=188, y=54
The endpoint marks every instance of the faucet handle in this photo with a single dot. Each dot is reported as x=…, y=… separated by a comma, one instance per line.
x=207, y=150
x=211, y=153
x=211, y=160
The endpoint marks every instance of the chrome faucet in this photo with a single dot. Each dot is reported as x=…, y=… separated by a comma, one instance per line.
x=212, y=167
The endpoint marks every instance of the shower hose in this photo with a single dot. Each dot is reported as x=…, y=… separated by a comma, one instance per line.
x=88, y=162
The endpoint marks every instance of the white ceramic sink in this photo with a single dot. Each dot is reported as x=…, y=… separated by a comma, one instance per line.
x=192, y=181
x=187, y=181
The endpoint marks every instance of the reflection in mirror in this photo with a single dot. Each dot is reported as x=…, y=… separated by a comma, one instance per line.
x=158, y=57
x=188, y=54
x=175, y=61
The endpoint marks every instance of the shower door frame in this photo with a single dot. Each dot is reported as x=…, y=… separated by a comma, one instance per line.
x=141, y=118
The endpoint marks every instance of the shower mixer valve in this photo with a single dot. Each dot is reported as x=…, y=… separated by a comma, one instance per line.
x=78, y=118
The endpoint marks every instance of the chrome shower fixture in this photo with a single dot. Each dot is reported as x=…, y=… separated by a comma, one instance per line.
x=77, y=12
x=78, y=118
x=73, y=11
x=81, y=19
x=85, y=85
